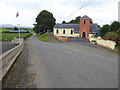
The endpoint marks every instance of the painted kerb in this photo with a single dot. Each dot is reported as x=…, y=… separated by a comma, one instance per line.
x=61, y=39
x=8, y=58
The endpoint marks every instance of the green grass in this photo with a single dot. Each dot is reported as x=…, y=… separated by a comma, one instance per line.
x=10, y=36
x=118, y=49
x=4, y=30
x=43, y=37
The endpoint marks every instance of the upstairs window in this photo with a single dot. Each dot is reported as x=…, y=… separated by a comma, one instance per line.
x=63, y=31
x=57, y=31
x=71, y=31
x=84, y=21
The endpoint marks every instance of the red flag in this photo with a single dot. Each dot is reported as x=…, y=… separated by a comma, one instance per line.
x=17, y=14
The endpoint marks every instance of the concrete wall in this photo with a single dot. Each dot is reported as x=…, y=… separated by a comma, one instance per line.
x=8, y=58
x=61, y=39
x=17, y=40
x=104, y=43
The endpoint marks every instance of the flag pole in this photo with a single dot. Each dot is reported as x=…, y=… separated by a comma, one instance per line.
x=19, y=32
x=18, y=25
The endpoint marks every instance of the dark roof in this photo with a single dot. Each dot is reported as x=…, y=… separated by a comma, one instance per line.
x=85, y=17
x=93, y=28
x=74, y=26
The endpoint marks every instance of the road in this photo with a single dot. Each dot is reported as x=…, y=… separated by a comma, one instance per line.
x=5, y=46
x=69, y=65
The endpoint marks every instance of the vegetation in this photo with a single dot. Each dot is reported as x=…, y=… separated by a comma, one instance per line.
x=63, y=22
x=75, y=21
x=44, y=21
x=114, y=26
x=43, y=37
x=15, y=28
x=104, y=30
x=110, y=32
x=110, y=36
x=10, y=36
x=4, y=30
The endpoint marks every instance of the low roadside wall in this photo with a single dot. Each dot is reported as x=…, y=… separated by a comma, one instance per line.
x=104, y=43
x=17, y=40
x=8, y=58
x=61, y=39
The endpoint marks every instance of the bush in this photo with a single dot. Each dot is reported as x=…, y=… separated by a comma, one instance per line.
x=110, y=36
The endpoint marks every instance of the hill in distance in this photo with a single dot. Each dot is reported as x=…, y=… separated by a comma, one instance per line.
x=13, y=26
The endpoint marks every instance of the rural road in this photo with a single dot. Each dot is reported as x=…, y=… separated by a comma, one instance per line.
x=6, y=45
x=62, y=65
x=68, y=65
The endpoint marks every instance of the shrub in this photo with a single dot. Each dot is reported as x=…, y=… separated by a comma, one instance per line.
x=110, y=36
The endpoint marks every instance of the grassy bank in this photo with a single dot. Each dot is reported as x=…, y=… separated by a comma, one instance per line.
x=10, y=36
x=43, y=37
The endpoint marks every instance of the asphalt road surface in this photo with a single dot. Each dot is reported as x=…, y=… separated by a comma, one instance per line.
x=5, y=46
x=69, y=65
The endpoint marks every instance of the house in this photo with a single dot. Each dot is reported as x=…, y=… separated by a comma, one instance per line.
x=83, y=29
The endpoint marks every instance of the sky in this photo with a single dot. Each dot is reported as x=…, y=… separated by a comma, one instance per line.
x=100, y=11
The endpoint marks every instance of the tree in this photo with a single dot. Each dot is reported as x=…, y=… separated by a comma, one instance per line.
x=114, y=26
x=118, y=31
x=44, y=21
x=111, y=36
x=76, y=20
x=63, y=22
x=15, y=28
x=104, y=30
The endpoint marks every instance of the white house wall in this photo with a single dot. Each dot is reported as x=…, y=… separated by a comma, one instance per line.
x=67, y=32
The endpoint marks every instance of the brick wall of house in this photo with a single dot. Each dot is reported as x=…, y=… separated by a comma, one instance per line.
x=84, y=27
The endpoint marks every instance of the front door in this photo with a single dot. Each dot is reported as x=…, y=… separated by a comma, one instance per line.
x=84, y=34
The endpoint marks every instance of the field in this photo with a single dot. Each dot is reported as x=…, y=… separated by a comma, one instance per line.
x=4, y=30
x=10, y=36
x=43, y=37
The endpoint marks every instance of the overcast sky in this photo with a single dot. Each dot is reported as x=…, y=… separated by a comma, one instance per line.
x=101, y=11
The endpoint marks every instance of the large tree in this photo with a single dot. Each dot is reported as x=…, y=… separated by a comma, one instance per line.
x=44, y=21
x=104, y=30
x=76, y=20
x=114, y=26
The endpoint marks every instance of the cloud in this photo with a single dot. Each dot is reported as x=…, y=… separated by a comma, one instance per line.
x=102, y=12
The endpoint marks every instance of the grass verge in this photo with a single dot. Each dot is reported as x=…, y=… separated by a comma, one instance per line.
x=43, y=37
x=117, y=49
x=10, y=36
x=4, y=30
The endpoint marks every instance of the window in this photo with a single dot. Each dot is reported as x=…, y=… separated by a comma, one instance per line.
x=63, y=31
x=57, y=31
x=71, y=31
x=84, y=21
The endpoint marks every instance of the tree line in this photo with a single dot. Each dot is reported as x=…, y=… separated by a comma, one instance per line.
x=110, y=32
